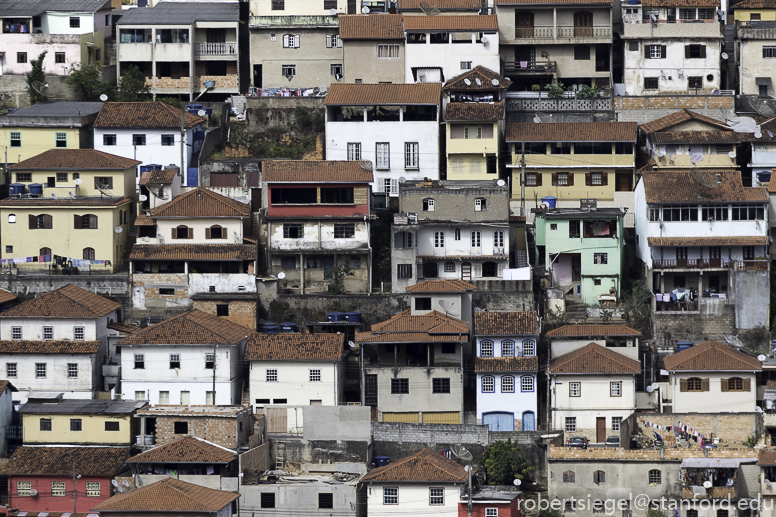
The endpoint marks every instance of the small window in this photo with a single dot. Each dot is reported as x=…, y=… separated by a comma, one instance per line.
x=616, y=421
x=450, y=267
x=633, y=46
x=288, y=71
x=344, y=231
x=529, y=348
x=16, y=333
x=325, y=501
x=336, y=69
x=388, y=51
x=166, y=291
x=183, y=232
x=72, y=370
x=21, y=58
x=569, y=476
x=290, y=41
x=59, y=58
x=754, y=16
x=615, y=389
x=411, y=155
x=694, y=384
x=138, y=140
x=181, y=427
x=466, y=65
x=440, y=385
x=404, y=271
x=390, y=495
x=210, y=361
x=507, y=384
x=600, y=258
x=429, y=205
x=48, y=333
x=23, y=488
x=222, y=309
x=332, y=40
x=486, y=349
x=140, y=395
x=694, y=83
x=488, y=384
x=480, y=204
x=526, y=383
x=45, y=424
x=88, y=254
x=400, y=386
x=175, y=361
x=571, y=424
x=354, y=151
x=61, y=141
x=108, y=139
x=112, y=426
x=168, y=140
x=472, y=132
x=599, y=476
x=58, y=488
x=422, y=304
x=272, y=375
x=491, y=512
x=11, y=370
x=61, y=177
x=267, y=499
x=139, y=361
x=75, y=22
x=575, y=389
x=76, y=424
x=11, y=218
x=436, y=496
x=507, y=348
x=40, y=370
x=582, y=53
x=293, y=231
x=93, y=489
x=278, y=5
x=654, y=477
x=650, y=83
x=315, y=375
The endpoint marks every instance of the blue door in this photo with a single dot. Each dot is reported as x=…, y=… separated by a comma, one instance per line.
x=529, y=421
x=499, y=421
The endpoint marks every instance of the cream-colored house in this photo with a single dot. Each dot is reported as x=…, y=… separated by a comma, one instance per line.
x=372, y=48
x=756, y=47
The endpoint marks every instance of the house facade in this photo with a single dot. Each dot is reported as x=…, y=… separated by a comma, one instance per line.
x=225, y=426
x=507, y=368
x=372, y=48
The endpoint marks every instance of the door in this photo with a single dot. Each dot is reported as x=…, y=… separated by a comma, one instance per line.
x=466, y=271
x=257, y=76
x=681, y=257
x=524, y=24
x=583, y=24
x=529, y=421
x=525, y=55
x=328, y=267
x=185, y=398
x=600, y=429
x=277, y=419
x=216, y=35
x=370, y=390
x=499, y=421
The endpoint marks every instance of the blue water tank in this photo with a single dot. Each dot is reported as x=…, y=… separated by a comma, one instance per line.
x=550, y=201
x=16, y=189
x=154, y=166
x=36, y=189
x=382, y=461
x=194, y=107
x=681, y=346
x=287, y=326
x=353, y=317
x=764, y=176
x=336, y=316
x=270, y=330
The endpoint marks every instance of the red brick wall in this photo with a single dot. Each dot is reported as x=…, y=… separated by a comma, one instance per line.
x=505, y=509
x=45, y=502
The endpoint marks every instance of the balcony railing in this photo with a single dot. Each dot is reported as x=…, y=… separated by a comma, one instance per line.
x=529, y=67
x=690, y=263
x=715, y=492
x=750, y=265
x=14, y=432
x=216, y=49
x=550, y=32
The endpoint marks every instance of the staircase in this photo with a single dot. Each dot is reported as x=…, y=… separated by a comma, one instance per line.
x=575, y=309
x=246, y=397
x=280, y=455
x=730, y=50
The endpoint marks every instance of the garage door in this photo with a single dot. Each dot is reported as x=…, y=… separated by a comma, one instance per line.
x=405, y=418
x=450, y=417
x=499, y=421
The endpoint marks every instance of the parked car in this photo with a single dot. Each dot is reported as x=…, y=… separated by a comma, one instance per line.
x=579, y=442
x=612, y=441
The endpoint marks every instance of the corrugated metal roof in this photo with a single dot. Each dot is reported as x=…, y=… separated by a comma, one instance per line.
x=715, y=463
x=10, y=8
x=83, y=407
x=182, y=13
x=51, y=109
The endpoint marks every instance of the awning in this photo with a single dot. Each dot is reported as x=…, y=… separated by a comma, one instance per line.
x=715, y=463
x=762, y=80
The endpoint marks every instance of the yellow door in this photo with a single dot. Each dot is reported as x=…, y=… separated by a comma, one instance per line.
x=405, y=418
x=449, y=417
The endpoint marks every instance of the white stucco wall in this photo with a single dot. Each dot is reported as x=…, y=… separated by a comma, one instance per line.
x=449, y=56
x=320, y=235
x=56, y=379
x=462, y=246
x=413, y=500
x=714, y=400
x=233, y=227
x=594, y=401
x=33, y=45
x=294, y=383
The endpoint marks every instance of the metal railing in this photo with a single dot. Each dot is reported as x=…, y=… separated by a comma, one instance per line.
x=550, y=32
x=565, y=104
x=517, y=67
x=750, y=265
x=690, y=263
x=216, y=49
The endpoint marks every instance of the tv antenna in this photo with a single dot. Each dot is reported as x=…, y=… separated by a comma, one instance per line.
x=47, y=93
x=429, y=9
x=761, y=108
x=461, y=452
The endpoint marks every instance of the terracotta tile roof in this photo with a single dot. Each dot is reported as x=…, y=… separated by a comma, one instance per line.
x=145, y=115
x=58, y=461
x=766, y=457
x=594, y=358
x=451, y=22
x=505, y=323
x=506, y=364
x=474, y=111
x=68, y=301
x=124, y=328
x=144, y=220
x=75, y=159
x=6, y=296
x=680, y=116
x=374, y=26
x=573, y=132
x=202, y=202
x=485, y=76
x=49, y=347
x=383, y=94
x=708, y=241
x=168, y=495
x=680, y=3
x=678, y=186
x=190, y=328
x=162, y=177
x=755, y=4
x=589, y=331
x=771, y=383
x=78, y=202
x=405, y=337
x=201, y=252
x=422, y=467
x=441, y=286
x=7, y=384
x=772, y=184
x=186, y=450
x=315, y=171
x=442, y=5
x=701, y=137
x=405, y=327
x=711, y=356
x=295, y=347
x=553, y=2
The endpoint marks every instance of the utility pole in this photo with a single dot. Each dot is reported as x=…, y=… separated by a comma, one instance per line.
x=214, y=374
x=469, y=506
x=522, y=177
x=74, y=490
x=183, y=141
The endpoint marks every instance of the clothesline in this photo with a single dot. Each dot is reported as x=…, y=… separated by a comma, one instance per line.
x=57, y=259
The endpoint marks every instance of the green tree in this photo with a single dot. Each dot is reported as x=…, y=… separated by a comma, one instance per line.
x=36, y=76
x=132, y=86
x=340, y=272
x=86, y=82
x=504, y=462
x=654, y=512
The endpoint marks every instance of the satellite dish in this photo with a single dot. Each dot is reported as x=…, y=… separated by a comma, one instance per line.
x=78, y=181
x=118, y=229
x=467, y=82
x=484, y=40
x=54, y=196
x=351, y=344
x=365, y=10
x=516, y=482
x=72, y=196
x=333, y=12
x=402, y=179
x=704, y=178
x=159, y=236
x=724, y=55
x=660, y=154
x=467, y=468
x=655, y=385
x=477, y=80
x=429, y=9
x=537, y=120
x=650, y=389
x=758, y=409
x=103, y=97
x=143, y=197
x=732, y=154
x=707, y=484
x=758, y=135
x=762, y=357
x=501, y=183
x=202, y=113
x=365, y=164
x=281, y=275
x=494, y=82
x=448, y=307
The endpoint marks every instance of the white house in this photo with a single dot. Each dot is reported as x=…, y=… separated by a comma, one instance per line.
x=422, y=482
x=393, y=126
x=57, y=342
x=453, y=297
x=151, y=133
x=296, y=369
x=712, y=378
x=507, y=367
x=592, y=390
x=182, y=359
x=438, y=48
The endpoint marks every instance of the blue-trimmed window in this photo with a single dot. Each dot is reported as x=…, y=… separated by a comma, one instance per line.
x=486, y=349
x=529, y=348
x=526, y=383
x=507, y=348
x=507, y=384
x=488, y=384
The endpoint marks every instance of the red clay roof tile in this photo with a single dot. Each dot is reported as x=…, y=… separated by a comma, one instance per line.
x=594, y=358
x=711, y=356
x=75, y=159
x=374, y=26
x=202, y=202
x=572, y=132
x=505, y=323
x=68, y=301
x=167, y=496
x=422, y=467
x=315, y=171
x=146, y=115
x=295, y=347
x=383, y=94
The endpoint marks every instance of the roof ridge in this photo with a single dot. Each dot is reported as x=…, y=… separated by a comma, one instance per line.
x=208, y=329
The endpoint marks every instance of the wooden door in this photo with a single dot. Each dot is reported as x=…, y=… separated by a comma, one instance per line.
x=600, y=429
x=277, y=419
x=524, y=24
x=466, y=271
x=583, y=24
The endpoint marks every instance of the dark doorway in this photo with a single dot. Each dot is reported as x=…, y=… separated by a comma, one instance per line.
x=257, y=76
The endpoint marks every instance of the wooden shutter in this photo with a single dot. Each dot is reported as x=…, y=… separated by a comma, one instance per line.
x=571, y=179
x=208, y=233
x=174, y=233
x=539, y=179
x=191, y=233
x=682, y=384
x=703, y=51
x=663, y=52
x=723, y=384
x=33, y=221
x=646, y=51
x=554, y=179
x=687, y=51
x=360, y=196
x=704, y=384
x=588, y=178
x=746, y=384
x=604, y=178
x=77, y=222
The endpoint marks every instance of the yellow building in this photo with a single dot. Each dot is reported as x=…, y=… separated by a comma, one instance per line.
x=80, y=422
x=754, y=10
x=57, y=125
x=77, y=204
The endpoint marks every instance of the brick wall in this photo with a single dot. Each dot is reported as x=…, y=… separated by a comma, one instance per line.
x=696, y=326
x=600, y=453
x=242, y=312
x=170, y=83
x=255, y=459
x=221, y=431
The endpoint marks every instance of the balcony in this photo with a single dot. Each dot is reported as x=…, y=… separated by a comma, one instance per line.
x=750, y=265
x=549, y=32
x=215, y=49
x=715, y=263
x=755, y=30
x=529, y=68
x=715, y=492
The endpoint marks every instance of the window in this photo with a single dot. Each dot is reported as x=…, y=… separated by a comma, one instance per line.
x=41, y=222
x=85, y=222
x=278, y=5
x=422, y=304
x=476, y=239
x=21, y=57
x=769, y=51
x=222, y=309
x=581, y=52
x=267, y=500
x=293, y=231
x=75, y=22
x=138, y=140
x=428, y=205
x=387, y=51
x=93, y=489
x=734, y=384
x=569, y=476
x=411, y=155
x=748, y=213
x=140, y=395
x=680, y=213
x=40, y=370
x=335, y=69
x=88, y=254
x=599, y=476
x=210, y=361
x=72, y=370
x=61, y=141
x=272, y=375
x=600, y=258
x=450, y=267
x=315, y=375
x=507, y=348
x=575, y=389
x=59, y=58
x=175, y=361
x=466, y=65
x=486, y=349
x=655, y=51
x=390, y=495
x=382, y=155
x=290, y=41
x=714, y=213
x=10, y=370
x=139, y=361
x=181, y=427
x=61, y=177
x=480, y=204
x=488, y=384
x=654, y=477
x=404, y=271
x=491, y=512
x=58, y=488
x=533, y=179
x=691, y=513
x=694, y=83
x=345, y=231
x=439, y=239
x=440, y=385
x=16, y=333
x=436, y=496
x=75, y=424
x=23, y=488
x=570, y=506
x=571, y=424
x=325, y=501
x=526, y=383
x=562, y=179
x=48, y=333
x=695, y=51
x=400, y=386
x=529, y=348
x=507, y=384
x=615, y=389
x=616, y=421
x=108, y=139
x=168, y=140
x=354, y=151
x=596, y=179
x=45, y=424
x=472, y=132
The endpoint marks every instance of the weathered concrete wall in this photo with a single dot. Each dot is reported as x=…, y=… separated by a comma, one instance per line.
x=752, y=307
x=300, y=454
x=530, y=442
x=338, y=423
x=239, y=166
x=13, y=90
x=713, y=321
x=397, y=440
x=302, y=497
x=646, y=109
x=114, y=287
x=255, y=459
x=266, y=112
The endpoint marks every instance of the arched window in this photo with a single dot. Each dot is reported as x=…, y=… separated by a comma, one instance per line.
x=486, y=349
x=733, y=384
x=182, y=232
x=507, y=384
x=85, y=222
x=40, y=222
x=89, y=254
x=215, y=232
x=694, y=384
x=526, y=383
x=488, y=384
x=449, y=267
x=529, y=348
x=11, y=218
x=507, y=348
x=439, y=239
x=44, y=251
x=655, y=477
